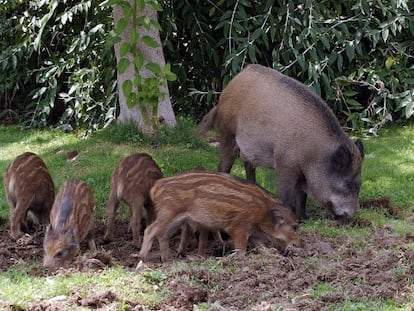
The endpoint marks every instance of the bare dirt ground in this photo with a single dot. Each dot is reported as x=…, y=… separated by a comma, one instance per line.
x=339, y=268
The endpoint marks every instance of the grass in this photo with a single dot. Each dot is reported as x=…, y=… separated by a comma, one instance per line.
x=370, y=305
x=388, y=172
x=388, y=168
x=127, y=285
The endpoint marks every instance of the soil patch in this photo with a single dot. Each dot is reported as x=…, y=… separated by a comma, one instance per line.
x=324, y=273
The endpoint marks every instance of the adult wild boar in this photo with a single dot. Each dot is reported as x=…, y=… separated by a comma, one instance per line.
x=275, y=121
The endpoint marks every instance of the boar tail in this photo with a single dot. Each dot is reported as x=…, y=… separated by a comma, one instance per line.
x=208, y=121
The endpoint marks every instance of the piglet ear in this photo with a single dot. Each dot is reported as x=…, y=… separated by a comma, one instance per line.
x=72, y=244
x=70, y=235
x=275, y=216
x=341, y=159
x=360, y=147
x=48, y=230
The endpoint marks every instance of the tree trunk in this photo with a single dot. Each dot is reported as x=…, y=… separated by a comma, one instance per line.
x=165, y=112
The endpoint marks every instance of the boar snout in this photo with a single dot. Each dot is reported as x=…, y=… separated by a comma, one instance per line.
x=288, y=237
x=60, y=257
x=341, y=212
x=342, y=217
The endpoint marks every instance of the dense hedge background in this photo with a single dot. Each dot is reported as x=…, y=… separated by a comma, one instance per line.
x=58, y=68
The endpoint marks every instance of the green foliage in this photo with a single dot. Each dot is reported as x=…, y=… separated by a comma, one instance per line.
x=358, y=56
x=56, y=69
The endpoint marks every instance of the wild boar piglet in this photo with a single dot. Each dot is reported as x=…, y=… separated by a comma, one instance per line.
x=216, y=202
x=131, y=182
x=29, y=191
x=72, y=221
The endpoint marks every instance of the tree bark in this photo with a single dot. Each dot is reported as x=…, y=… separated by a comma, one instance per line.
x=165, y=112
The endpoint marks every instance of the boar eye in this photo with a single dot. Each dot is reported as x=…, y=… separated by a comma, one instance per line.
x=352, y=185
x=59, y=255
x=295, y=227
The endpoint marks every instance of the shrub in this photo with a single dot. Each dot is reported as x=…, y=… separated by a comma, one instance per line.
x=57, y=69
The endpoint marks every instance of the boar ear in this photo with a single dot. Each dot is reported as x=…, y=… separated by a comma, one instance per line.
x=70, y=235
x=48, y=230
x=360, y=147
x=341, y=159
x=275, y=216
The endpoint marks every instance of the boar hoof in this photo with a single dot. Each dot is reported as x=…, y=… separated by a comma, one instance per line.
x=107, y=239
x=15, y=235
x=25, y=239
x=92, y=245
x=142, y=257
x=137, y=243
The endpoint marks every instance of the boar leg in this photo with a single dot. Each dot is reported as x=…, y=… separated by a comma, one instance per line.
x=249, y=168
x=164, y=243
x=91, y=242
x=90, y=237
x=250, y=171
x=300, y=205
x=159, y=228
x=149, y=235
x=185, y=233
x=156, y=229
x=162, y=228
x=17, y=219
x=44, y=217
x=290, y=192
x=240, y=237
x=202, y=242
x=228, y=153
x=112, y=209
x=44, y=213
x=136, y=210
x=149, y=212
x=166, y=229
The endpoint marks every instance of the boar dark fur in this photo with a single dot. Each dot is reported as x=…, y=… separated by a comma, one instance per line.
x=274, y=121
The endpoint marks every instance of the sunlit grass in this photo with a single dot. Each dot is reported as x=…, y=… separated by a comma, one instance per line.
x=372, y=305
x=20, y=289
x=388, y=169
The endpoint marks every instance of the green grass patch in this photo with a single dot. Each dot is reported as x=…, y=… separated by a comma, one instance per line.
x=388, y=169
x=372, y=305
x=321, y=289
x=331, y=229
x=20, y=289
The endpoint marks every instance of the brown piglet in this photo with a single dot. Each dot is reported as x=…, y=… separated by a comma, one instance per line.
x=214, y=202
x=72, y=221
x=29, y=191
x=131, y=182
